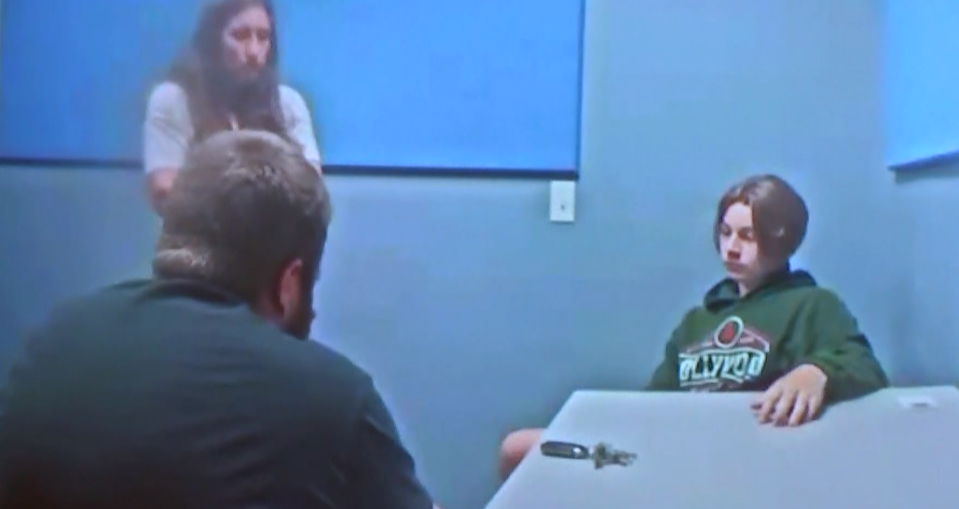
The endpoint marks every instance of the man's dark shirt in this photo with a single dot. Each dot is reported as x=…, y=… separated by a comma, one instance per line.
x=174, y=395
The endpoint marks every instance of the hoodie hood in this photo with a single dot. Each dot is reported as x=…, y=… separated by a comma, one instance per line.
x=726, y=292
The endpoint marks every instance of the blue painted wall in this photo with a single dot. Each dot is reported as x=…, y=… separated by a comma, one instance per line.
x=922, y=120
x=477, y=315
x=922, y=79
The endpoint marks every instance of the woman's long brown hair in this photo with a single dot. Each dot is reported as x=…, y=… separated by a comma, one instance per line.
x=213, y=94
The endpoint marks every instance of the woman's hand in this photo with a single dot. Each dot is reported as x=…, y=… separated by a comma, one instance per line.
x=159, y=183
x=794, y=399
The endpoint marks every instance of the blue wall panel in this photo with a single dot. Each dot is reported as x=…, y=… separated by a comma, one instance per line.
x=921, y=81
x=492, y=84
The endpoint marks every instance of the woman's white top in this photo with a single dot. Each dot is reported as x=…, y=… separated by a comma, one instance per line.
x=168, y=130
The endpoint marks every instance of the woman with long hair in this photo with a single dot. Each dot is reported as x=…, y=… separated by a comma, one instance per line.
x=226, y=79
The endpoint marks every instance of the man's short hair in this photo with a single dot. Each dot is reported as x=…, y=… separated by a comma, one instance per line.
x=780, y=216
x=244, y=205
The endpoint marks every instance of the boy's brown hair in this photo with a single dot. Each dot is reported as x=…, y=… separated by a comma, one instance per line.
x=780, y=216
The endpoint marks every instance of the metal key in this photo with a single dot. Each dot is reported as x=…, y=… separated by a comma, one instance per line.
x=604, y=454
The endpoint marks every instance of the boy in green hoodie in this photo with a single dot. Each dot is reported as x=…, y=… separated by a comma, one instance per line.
x=765, y=327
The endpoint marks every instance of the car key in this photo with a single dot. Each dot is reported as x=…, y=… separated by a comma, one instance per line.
x=567, y=450
x=602, y=454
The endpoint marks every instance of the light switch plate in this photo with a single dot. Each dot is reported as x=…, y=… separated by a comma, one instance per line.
x=562, y=201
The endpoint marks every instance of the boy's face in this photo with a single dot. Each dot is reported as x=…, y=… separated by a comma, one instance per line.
x=738, y=246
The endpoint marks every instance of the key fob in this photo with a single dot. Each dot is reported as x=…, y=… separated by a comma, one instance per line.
x=567, y=450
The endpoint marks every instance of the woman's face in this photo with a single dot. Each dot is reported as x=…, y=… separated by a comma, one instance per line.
x=247, y=39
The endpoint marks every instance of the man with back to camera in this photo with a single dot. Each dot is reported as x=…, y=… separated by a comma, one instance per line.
x=197, y=388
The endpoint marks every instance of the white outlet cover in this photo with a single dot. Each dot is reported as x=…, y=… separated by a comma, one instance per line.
x=562, y=201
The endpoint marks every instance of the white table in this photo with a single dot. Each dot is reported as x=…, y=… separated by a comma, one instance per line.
x=706, y=451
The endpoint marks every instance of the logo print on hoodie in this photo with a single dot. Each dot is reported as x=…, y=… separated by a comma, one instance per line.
x=731, y=356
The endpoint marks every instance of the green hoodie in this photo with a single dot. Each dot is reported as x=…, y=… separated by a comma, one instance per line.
x=746, y=344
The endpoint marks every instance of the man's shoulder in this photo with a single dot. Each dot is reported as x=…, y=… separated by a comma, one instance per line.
x=324, y=383
x=306, y=363
x=222, y=323
x=316, y=359
x=89, y=303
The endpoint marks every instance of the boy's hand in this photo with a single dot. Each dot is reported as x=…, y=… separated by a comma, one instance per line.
x=794, y=399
